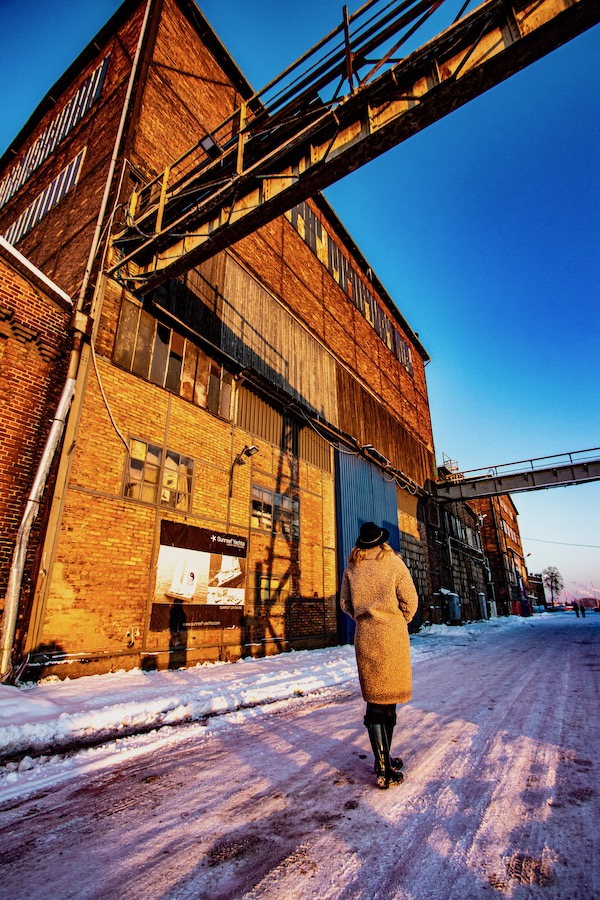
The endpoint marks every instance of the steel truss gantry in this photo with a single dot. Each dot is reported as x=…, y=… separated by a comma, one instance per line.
x=577, y=467
x=334, y=110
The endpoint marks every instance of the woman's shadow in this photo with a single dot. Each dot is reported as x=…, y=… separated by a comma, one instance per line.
x=178, y=639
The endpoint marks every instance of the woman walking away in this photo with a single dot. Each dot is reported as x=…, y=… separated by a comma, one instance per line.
x=378, y=593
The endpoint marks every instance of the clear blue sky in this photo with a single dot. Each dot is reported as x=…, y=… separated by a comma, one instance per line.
x=484, y=229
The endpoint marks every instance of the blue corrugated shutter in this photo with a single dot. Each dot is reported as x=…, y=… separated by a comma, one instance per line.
x=363, y=494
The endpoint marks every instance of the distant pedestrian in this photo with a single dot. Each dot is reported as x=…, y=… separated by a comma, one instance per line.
x=582, y=609
x=378, y=593
x=576, y=608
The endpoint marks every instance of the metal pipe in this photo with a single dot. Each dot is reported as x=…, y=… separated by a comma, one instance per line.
x=13, y=591
x=113, y=161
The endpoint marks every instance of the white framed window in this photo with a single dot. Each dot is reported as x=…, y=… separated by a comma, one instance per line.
x=44, y=201
x=66, y=120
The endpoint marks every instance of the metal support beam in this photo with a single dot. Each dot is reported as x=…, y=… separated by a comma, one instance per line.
x=302, y=149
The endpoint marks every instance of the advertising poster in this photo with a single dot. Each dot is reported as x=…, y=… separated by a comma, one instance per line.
x=200, y=566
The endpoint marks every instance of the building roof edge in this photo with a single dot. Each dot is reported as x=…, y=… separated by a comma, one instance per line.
x=90, y=51
x=32, y=273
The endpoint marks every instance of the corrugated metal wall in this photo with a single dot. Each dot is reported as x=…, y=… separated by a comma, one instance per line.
x=262, y=420
x=362, y=495
x=258, y=417
x=315, y=450
x=262, y=335
x=366, y=419
x=237, y=314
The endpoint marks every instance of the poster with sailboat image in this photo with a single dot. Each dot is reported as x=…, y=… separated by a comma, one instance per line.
x=200, y=566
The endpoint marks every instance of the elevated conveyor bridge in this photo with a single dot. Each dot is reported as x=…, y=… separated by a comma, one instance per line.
x=355, y=95
x=578, y=467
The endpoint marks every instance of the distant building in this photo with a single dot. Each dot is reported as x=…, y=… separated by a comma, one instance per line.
x=457, y=559
x=504, y=550
x=536, y=589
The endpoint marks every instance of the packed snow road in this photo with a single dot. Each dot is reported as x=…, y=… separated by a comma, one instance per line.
x=501, y=793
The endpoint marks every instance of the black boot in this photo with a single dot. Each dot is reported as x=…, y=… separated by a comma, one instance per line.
x=395, y=761
x=386, y=776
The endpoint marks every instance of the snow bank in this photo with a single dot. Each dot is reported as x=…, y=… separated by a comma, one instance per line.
x=57, y=715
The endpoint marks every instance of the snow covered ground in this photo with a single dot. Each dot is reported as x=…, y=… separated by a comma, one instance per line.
x=254, y=779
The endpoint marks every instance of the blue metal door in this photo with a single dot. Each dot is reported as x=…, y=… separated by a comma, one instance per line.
x=363, y=494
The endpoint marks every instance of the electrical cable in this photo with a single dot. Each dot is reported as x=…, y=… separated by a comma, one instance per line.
x=561, y=543
x=108, y=409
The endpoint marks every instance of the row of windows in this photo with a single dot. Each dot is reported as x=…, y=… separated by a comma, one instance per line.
x=510, y=531
x=165, y=478
x=59, y=128
x=154, y=351
x=457, y=529
x=44, y=201
x=338, y=265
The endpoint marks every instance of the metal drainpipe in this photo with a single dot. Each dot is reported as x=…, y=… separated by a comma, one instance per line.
x=13, y=590
x=15, y=580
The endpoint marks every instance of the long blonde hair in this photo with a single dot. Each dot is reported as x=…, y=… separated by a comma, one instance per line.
x=357, y=554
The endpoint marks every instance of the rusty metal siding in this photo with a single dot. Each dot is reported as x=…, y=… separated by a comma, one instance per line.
x=366, y=419
x=262, y=420
x=315, y=450
x=258, y=417
x=262, y=335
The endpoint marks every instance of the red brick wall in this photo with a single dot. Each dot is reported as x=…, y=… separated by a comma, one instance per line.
x=33, y=338
x=59, y=245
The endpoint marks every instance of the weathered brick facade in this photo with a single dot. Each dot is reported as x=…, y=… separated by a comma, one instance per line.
x=504, y=550
x=260, y=347
x=34, y=321
x=457, y=561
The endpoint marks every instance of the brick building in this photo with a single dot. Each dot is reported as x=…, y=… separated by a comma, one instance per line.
x=457, y=560
x=504, y=550
x=34, y=322
x=230, y=430
x=536, y=589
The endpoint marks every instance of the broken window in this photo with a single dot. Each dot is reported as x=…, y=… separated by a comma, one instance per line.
x=154, y=351
x=156, y=476
x=277, y=513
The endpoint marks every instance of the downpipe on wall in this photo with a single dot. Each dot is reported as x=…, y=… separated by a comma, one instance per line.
x=15, y=579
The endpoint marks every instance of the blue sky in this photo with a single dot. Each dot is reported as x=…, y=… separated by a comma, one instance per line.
x=484, y=229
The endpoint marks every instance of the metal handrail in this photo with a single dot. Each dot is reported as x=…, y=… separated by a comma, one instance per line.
x=528, y=465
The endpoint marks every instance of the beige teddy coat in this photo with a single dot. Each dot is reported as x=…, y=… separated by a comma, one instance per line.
x=380, y=596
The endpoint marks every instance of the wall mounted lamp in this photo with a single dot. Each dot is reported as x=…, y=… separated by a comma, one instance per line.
x=210, y=147
x=240, y=460
x=246, y=452
x=376, y=455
